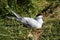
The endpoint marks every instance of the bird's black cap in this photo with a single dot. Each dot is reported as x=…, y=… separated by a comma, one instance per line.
x=38, y=15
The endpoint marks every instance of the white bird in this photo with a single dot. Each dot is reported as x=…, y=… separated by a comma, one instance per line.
x=32, y=22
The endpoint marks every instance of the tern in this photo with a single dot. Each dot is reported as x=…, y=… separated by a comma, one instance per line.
x=36, y=22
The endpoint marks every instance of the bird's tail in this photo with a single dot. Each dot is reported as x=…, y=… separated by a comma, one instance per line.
x=14, y=18
x=19, y=17
x=10, y=10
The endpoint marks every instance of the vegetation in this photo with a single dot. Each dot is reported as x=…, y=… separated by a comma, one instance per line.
x=14, y=30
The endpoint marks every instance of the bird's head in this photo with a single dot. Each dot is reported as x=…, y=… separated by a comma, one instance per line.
x=39, y=15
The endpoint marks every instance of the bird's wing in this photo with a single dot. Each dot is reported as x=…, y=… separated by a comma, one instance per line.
x=33, y=23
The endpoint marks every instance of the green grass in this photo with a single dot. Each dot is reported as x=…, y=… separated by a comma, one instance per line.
x=14, y=30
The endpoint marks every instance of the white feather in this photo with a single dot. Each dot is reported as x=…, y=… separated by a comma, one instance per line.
x=37, y=22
